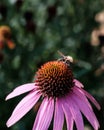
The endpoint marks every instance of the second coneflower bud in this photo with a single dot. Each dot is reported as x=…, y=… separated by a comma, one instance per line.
x=5, y=37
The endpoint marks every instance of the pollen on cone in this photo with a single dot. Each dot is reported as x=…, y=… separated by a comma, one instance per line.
x=55, y=79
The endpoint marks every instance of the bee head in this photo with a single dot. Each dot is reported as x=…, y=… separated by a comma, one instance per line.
x=65, y=59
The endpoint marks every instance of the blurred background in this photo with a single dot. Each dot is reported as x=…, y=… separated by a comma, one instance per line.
x=31, y=32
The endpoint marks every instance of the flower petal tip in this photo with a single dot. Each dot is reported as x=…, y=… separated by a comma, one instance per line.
x=8, y=124
x=99, y=107
x=7, y=97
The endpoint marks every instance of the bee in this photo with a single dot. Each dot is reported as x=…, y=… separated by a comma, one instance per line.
x=66, y=59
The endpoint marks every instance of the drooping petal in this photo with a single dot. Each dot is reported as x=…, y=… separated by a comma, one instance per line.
x=78, y=84
x=23, y=107
x=21, y=89
x=44, y=115
x=86, y=110
x=59, y=116
x=68, y=115
x=75, y=112
x=82, y=96
x=92, y=99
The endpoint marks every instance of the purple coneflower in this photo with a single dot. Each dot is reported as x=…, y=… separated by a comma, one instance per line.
x=63, y=97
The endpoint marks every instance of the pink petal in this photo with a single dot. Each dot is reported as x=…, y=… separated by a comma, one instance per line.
x=78, y=84
x=20, y=90
x=75, y=112
x=44, y=116
x=68, y=115
x=86, y=110
x=23, y=107
x=82, y=96
x=92, y=99
x=59, y=116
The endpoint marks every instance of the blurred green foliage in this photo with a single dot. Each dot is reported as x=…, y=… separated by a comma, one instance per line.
x=40, y=28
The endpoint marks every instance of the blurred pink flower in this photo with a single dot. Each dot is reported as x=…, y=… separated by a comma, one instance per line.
x=63, y=97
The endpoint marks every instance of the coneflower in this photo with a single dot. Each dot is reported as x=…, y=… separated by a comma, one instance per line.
x=62, y=97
